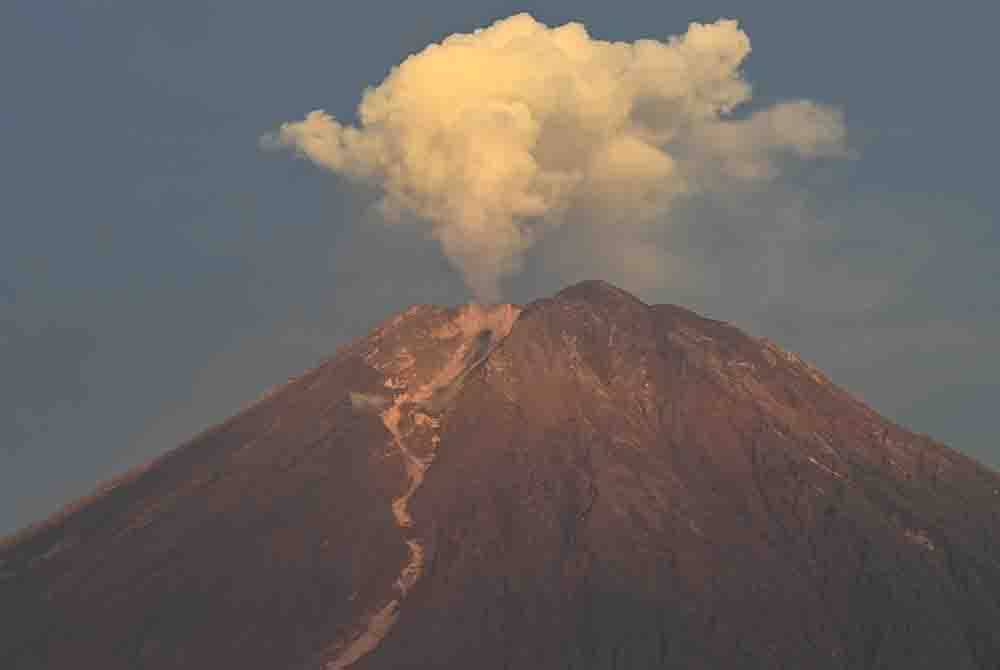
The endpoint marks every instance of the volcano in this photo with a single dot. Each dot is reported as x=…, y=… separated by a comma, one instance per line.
x=587, y=482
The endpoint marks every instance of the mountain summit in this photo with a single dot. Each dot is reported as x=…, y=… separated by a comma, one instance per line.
x=589, y=482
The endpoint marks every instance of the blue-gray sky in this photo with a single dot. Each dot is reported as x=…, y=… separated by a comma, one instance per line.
x=158, y=271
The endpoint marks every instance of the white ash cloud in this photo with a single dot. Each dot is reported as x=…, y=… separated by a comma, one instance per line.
x=496, y=137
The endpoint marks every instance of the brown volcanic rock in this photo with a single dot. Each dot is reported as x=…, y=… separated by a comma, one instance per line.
x=613, y=486
x=240, y=549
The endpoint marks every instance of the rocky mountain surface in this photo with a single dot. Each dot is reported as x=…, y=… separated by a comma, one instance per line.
x=588, y=482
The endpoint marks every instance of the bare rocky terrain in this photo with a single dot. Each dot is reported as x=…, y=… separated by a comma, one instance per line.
x=585, y=483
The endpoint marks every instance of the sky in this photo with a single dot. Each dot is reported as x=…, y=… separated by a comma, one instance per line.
x=162, y=265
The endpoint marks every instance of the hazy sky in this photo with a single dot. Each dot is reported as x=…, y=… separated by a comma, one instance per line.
x=158, y=270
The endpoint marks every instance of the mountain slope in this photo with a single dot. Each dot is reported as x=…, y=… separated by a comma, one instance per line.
x=588, y=483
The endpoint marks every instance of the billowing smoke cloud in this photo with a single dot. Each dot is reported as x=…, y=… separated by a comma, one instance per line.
x=495, y=137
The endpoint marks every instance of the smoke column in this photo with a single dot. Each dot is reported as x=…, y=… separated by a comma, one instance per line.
x=494, y=138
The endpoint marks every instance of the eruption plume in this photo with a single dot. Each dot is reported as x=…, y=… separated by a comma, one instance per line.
x=495, y=137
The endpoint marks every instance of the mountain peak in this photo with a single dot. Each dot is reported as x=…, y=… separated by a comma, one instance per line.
x=595, y=291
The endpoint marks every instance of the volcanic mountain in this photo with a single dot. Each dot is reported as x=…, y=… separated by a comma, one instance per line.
x=587, y=482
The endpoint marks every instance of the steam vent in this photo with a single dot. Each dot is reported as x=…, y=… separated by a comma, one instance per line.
x=587, y=482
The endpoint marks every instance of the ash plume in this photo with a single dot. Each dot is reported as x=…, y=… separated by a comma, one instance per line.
x=495, y=138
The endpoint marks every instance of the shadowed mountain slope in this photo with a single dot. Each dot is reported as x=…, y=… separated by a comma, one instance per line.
x=589, y=482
